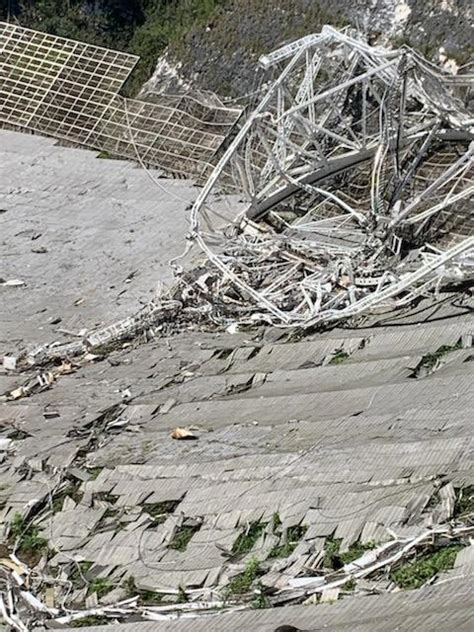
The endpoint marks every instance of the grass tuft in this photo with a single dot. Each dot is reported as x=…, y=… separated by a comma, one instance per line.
x=146, y=597
x=411, y=575
x=429, y=360
x=30, y=544
x=94, y=472
x=276, y=521
x=89, y=621
x=182, y=596
x=464, y=504
x=293, y=537
x=350, y=585
x=150, y=598
x=332, y=559
x=247, y=539
x=101, y=586
x=70, y=490
x=79, y=572
x=242, y=583
x=261, y=600
x=339, y=357
x=183, y=536
x=356, y=550
x=160, y=511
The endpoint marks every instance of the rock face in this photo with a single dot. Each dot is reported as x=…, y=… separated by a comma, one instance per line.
x=424, y=23
x=221, y=56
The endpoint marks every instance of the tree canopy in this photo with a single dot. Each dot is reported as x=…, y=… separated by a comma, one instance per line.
x=142, y=27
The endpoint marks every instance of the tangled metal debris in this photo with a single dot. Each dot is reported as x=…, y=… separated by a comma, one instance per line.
x=357, y=171
x=356, y=168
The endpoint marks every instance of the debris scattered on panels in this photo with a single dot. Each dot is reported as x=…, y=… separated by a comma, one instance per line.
x=357, y=166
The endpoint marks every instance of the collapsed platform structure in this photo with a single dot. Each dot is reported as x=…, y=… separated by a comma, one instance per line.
x=323, y=465
x=356, y=173
x=361, y=161
x=359, y=158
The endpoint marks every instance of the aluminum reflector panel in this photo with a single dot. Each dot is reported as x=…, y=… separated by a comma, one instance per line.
x=162, y=134
x=55, y=85
x=69, y=90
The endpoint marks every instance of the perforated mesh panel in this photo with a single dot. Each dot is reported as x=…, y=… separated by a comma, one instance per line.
x=54, y=85
x=69, y=90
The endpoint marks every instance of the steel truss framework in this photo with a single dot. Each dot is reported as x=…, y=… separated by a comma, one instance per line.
x=357, y=168
x=69, y=90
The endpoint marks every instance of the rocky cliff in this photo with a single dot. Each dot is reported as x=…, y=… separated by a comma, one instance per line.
x=221, y=55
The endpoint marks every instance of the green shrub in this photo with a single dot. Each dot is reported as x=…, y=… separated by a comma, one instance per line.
x=293, y=537
x=246, y=540
x=27, y=536
x=464, y=504
x=242, y=583
x=165, y=23
x=414, y=574
x=183, y=536
x=355, y=551
x=101, y=586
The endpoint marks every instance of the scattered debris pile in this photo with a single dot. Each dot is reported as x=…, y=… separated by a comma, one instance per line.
x=37, y=589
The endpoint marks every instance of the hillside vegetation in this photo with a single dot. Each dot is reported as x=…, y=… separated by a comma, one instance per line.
x=141, y=27
x=217, y=42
